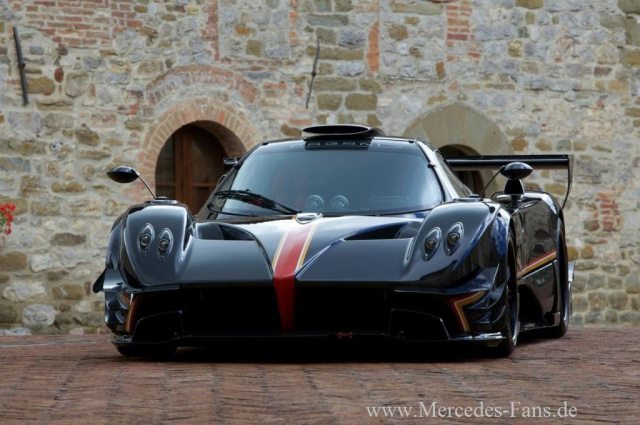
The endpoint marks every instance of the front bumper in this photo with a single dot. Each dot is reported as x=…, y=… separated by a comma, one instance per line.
x=194, y=316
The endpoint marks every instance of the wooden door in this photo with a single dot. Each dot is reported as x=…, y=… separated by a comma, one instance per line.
x=189, y=166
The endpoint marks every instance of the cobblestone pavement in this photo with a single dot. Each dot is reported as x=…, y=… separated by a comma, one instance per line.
x=82, y=379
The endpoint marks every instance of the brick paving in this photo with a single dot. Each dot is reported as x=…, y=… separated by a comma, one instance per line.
x=82, y=379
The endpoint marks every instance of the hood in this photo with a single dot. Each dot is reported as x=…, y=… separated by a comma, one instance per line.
x=251, y=251
x=310, y=250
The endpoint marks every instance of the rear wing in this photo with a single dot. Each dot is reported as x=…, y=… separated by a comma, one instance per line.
x=495, y=162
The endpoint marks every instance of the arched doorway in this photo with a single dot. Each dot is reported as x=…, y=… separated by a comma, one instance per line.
x=472, y=179
x=458, y=129
x=190, y=162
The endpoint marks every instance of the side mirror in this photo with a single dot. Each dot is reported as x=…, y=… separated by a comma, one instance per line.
x=515, y=172
x=230, y=162
x=123, y=174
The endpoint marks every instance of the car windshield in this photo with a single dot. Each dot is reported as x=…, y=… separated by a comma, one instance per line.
x=381, y=178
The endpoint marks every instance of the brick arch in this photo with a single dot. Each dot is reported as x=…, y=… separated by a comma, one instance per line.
x=203, y=112
x=199, y=75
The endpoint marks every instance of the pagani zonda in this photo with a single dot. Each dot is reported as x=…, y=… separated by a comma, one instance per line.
x=344, y=233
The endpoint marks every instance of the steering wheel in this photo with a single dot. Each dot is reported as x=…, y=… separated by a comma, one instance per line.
x=339, y=202
x=314, y=203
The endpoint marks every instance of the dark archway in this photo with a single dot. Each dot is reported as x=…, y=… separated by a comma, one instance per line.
x=458, y=129
x=190, y=162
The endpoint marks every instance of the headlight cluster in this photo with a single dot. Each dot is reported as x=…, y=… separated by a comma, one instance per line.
x=147, y=235
x=451, y=243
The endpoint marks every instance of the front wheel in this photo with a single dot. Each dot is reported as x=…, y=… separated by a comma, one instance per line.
x=564, y=292
x=511, y=328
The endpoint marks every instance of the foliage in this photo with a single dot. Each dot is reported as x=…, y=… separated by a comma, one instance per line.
x=6, y=217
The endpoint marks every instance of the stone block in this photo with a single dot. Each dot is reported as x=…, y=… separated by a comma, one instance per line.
x=629, y=6
x=67, y=239
x=326, y=36
x=254, y=48
x=345, y=119
x=335, y=84
x=38, y=316
x=330, y=102
x=30, y=185
x=70, y=292
x=530, y=4
x=94, y=154
x=618, y=300
x=52, y=104
x=13, y=261
x=373, y=121
x=290, y=131
x=370, y=85
x=419, y=8
x=14, y=165
x=361, y=102
x=630, y=317
x=85, y=208
x=87, y=137
x=352, y=39
x=77, y=84
x=41, y=85
x=45, y=208
x=515, y=48
x=597, y=301
x=336, y=53
x=56, y=121
x=24, y=291
x=343, y=5
x=630, y=57
x=72, y=186
x=398, y=32
x=613, y=22
x=8, y=313
x=632, y=283
x=328, y=20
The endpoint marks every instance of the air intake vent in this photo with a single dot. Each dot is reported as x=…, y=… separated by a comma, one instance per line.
x=346, y=130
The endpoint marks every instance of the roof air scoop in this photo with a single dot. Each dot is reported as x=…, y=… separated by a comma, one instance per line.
x=342, y=130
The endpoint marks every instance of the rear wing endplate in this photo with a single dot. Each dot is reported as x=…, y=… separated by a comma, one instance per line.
x=495, y=162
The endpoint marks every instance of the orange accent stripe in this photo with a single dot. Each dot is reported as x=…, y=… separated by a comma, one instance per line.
x=459, y=303
x=538, y=262
x=130, y=314
x=289, y=258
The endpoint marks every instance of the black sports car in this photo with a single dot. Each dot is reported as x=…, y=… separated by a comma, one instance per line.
x=345, y=233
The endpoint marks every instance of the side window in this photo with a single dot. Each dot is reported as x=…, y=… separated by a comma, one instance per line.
x=457, y=185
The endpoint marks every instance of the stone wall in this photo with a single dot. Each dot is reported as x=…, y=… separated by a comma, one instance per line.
x=110, y=80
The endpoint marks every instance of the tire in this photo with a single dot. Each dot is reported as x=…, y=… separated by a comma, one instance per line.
x=150, y=351
x=560, y=330
x=511, y=329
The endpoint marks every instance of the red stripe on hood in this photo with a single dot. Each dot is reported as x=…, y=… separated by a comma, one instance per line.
x=289, y=256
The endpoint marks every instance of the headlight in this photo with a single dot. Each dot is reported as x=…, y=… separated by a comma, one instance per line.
x=165, y=243
x=454, y=235
x=145, y=238
x=432, y=242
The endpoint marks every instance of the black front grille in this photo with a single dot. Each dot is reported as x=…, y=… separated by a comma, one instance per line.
x=241, y=311
x=217, y=311
x=335, y=310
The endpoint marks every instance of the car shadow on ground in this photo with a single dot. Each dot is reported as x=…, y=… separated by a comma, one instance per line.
x=369, y=350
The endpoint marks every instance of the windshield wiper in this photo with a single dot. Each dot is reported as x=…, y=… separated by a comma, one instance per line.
x=213, y=210
x=261, y=201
